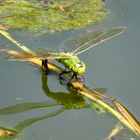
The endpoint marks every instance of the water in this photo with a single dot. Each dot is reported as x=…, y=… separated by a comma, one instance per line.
x=114, y=65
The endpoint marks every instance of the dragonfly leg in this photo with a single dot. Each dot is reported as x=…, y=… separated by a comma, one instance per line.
x=82, y=77
x=77, y=78
x=62, y=73
x=45, y=66
x=74, y=76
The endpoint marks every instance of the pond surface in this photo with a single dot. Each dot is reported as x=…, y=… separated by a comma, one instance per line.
x=114, y=65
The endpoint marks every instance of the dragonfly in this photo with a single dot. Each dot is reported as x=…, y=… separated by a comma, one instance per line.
x=71, y=48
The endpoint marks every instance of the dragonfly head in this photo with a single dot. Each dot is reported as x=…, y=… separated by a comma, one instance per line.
x=79, y=68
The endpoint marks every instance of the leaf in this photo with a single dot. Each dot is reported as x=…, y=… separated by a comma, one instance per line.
x=8, y=36
x=25, y=107
x=129, y=117
x=101, y=90
x=29, y=122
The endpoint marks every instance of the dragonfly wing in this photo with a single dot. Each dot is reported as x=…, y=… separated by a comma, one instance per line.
x=72, y=43
x=38, y=54
x=11, y=57
x=46, y=54
x=97, y=38
x=88, y=40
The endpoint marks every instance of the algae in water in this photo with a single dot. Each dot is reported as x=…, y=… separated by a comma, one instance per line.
x=51, y=15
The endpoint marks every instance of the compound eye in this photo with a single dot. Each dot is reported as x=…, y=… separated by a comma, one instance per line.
x=79, y=65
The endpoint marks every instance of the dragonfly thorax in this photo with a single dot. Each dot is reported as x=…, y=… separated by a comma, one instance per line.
x=74, y=64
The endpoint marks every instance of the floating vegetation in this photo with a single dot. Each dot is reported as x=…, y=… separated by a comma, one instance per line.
x=43, y=16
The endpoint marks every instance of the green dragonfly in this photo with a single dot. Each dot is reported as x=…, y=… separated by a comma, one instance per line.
x=75, y=46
